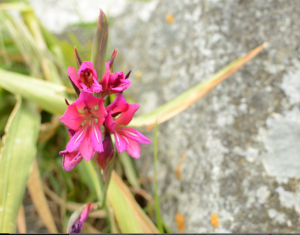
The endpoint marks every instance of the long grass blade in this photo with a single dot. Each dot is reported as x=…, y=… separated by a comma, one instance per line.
x=159, y=220
x=18, y=152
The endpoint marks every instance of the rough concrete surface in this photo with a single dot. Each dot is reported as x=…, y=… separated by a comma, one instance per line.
x=241, y=141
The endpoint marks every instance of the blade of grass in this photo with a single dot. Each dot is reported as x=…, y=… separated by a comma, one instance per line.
x=186, y=99
x=46, y=94
x=18, y=152
x=35, y=188
x=159, y=220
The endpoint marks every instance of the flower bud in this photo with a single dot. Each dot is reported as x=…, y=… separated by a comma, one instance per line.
x=104, y=157
x=78, y=218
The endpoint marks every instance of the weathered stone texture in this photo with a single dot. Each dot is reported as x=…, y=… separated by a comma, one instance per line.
x=241, y=140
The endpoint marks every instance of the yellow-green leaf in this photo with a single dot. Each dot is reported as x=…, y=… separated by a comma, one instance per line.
x=186, y=99
x=130, y=216
x=17, y=154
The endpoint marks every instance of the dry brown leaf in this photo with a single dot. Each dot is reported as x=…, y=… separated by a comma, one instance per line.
x=47, y=130
x=178, y=167
x=72, y=206
x=21, y=221
x=180, y=222
x=35, y=188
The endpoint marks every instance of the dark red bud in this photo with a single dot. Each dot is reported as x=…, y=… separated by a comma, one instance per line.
x=104, y=157
x=128, y=74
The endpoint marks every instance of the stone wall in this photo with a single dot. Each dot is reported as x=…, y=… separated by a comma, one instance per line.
x=241, y=141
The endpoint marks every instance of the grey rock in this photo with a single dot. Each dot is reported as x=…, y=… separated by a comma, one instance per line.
x=241, y=141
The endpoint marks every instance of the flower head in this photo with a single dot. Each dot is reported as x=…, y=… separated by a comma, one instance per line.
x=113, y=82
x=120, y=114
x=86, y=78
x=84, y=117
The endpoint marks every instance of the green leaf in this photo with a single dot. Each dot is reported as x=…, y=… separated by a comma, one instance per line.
x=159, y=220
x=46, y=94
x=186, y=99
x=100, y=45
x=129, y=169
x=89, y=175
x=18, y=152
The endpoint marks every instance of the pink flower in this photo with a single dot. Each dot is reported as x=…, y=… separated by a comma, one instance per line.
x=120, y=114
x=84, y=116
x=80, y=217
x=86, y=78
x=113, y=82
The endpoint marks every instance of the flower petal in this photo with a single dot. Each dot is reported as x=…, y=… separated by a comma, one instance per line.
x=96, y=138
x=86, y=148
x=74, y=77
x=134, y=135
x=110, y=123
x=100, y=113
x=134, y=149
x=105, y=79
x=120, y=85
x=126, y=117
x=118, y=105
x=72, y=118
x=70, y=160
x=121, y=143
x=76, y=139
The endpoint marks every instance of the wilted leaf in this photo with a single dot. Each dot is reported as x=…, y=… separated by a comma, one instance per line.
x=186, y=99
x=18, y=152
x=35, y=187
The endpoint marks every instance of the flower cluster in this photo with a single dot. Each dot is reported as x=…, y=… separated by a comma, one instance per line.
x=89, y=121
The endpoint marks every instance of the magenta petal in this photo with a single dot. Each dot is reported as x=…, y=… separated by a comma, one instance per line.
x=86, y=149
x=105, y=79
x=134, y=149
x=74, y=77
x=110, y=123
x=121, y=142
x=133, y=134
x=76, y=139
x=122, y=85
x=126, y=117
x=96, y=138
x=96, y=87
x=70, y=160
x=72, y=118
x=101, y=112
x=118, y=105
